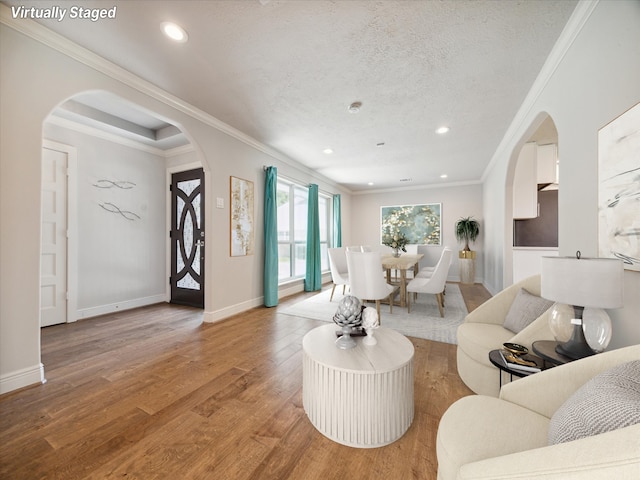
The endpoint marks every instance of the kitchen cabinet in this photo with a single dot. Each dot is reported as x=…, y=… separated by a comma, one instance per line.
x=525, y=184
x=546, y=163
x=537, y=164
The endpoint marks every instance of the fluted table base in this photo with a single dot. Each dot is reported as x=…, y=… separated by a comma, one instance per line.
x=362, y=397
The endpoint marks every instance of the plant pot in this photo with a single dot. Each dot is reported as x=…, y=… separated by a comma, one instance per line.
x=467, y=263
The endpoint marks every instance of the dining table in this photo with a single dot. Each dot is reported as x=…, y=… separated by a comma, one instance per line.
x=406, y=261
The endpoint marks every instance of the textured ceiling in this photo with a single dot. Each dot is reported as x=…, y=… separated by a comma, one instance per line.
x=284, y=72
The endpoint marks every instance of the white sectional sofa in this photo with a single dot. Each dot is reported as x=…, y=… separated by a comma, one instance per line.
x=483, y=330
x=483, y=437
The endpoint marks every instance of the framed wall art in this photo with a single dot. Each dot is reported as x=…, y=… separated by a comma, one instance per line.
x=242, y=230
x=420, y=224
x=619, y=189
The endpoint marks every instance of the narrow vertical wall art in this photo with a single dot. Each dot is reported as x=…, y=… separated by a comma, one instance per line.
x=242, y=234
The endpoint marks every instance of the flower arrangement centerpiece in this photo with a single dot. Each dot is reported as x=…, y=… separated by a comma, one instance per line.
x=397, y=241
x=348, y=315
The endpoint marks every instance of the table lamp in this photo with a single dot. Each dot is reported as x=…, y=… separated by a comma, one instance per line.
x=581, y=282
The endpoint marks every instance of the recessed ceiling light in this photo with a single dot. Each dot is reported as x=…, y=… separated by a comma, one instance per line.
x=327, y=151
x=442, y=130
x=355, y=107
x=444, y=175
x=174, y=32
x=370, y=183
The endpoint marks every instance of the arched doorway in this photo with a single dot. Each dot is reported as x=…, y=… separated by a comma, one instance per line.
x=105, y=205
x=533, y=181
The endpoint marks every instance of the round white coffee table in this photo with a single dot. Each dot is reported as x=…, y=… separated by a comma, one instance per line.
x=361, y=397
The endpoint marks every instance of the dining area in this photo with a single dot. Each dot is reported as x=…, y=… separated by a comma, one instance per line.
x=388, y=279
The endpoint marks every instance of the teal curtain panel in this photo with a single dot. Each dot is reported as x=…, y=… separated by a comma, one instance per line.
x=337, y=222
x=313, y=277
x=270, y=238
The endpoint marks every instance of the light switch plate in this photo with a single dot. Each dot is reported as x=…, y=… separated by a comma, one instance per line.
x=220, y=202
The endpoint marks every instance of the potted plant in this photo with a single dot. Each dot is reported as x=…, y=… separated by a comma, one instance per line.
x=467, y=230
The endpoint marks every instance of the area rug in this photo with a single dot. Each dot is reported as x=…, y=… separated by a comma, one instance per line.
x=424, y=321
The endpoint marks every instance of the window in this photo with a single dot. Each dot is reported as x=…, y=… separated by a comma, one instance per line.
x=292, y=200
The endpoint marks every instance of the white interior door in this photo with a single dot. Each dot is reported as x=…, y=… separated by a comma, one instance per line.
x=53, y=265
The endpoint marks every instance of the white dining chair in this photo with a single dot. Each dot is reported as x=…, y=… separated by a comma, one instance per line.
x=434, y=284
x=426, y=272
x=365, y=281
x=412, y=249
x=359, y=248
x=339, y=269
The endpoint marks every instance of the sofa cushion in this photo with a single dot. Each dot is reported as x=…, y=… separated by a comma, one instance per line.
x=608, y=401
x=478, y=339
x=478, y=427
x=525, y=308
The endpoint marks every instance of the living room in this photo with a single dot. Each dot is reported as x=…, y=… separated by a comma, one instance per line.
x=591, y=77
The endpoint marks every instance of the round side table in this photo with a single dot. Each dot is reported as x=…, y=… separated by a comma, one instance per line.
x=496, y=359
x=361, y=397
x=546, y=349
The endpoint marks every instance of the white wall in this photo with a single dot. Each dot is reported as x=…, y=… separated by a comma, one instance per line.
x=34, y=78
x=596, y=79
x=457, y=202
x=121, y=262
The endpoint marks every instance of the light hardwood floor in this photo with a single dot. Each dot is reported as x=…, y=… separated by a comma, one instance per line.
x=154, y=393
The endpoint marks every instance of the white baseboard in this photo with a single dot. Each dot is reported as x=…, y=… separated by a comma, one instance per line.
x=115, y=307
x=226, y=312
x=22, y=378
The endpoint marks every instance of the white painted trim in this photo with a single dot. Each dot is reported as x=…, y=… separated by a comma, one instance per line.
x=226, y=312
x=217, y=315
x=173, y=152
x=72, y=224
x=427, y=186
x=22, y=378
x=574, y=26
x=119, y=306
x=110, y=137
x=61, y=44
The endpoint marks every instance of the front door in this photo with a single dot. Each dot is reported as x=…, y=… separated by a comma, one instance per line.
x=187, y=238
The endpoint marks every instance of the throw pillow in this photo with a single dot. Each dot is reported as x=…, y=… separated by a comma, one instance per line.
x=607, y=402
x=526, y=307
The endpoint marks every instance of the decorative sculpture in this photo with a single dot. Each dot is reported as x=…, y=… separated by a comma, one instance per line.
x=370, y=322
x=348, y=315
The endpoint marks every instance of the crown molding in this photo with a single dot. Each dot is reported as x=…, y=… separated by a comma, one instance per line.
x=65, y=46
x=173, y=152
x=425, y=186
x=111, y=137
x=516, y=129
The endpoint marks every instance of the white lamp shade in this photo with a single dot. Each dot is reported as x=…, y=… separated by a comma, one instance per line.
x=584, y=282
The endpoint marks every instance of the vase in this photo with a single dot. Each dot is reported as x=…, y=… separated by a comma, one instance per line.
x=345, y=341
x=467, y=265
x=396, y=252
